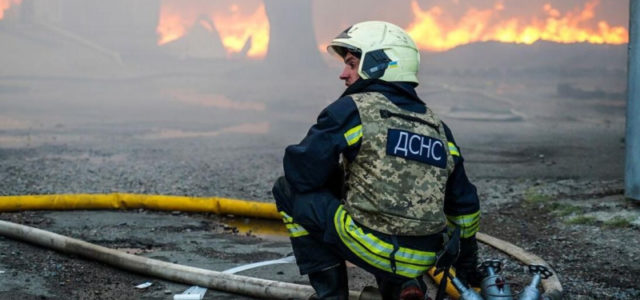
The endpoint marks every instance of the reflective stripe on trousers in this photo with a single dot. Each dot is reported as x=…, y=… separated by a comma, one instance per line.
x=407, y=262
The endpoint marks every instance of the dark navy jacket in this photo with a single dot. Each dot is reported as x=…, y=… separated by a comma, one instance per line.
x=313, y=163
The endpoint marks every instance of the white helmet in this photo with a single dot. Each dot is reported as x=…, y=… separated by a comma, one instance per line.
x=386, y=51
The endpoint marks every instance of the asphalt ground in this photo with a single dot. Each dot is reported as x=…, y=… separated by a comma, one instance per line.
x=548, y=168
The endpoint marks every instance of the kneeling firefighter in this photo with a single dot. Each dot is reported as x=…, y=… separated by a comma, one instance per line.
x=378, y=180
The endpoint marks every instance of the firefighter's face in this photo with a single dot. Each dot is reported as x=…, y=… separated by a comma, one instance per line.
x=350, y=72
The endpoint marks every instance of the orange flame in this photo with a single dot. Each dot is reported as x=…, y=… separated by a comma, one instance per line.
x=6, y=4
x=237, y=24
x=432, y=31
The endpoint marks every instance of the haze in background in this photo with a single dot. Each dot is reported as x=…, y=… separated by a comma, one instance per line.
x=537, y=77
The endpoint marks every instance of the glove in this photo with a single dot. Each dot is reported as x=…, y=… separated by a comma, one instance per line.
x=467, y=264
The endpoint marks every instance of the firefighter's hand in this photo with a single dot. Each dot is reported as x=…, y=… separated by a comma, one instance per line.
x=467, y=264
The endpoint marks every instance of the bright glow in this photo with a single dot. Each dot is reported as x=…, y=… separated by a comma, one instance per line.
x=6, y=4
x=433, y=30
x=238, y=23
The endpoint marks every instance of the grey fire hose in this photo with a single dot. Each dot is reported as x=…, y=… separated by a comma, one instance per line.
x=250, y=286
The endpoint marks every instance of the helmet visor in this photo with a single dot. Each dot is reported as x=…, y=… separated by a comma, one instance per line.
x=341, y=49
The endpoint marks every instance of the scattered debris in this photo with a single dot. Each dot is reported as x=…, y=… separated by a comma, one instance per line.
x=144, y=285
x=193, y=293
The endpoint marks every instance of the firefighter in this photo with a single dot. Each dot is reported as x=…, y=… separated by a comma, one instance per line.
x=378, y=180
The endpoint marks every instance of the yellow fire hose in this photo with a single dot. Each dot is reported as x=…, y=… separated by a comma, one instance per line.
x=217, y=205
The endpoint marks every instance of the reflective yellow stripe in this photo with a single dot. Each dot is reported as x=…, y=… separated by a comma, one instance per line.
x=380, y=261
x=463, y=220
x=453, y=149
x=353, y=135
x=409, y=263
x=469, y=224
x=382, y=248
x=464, y=232
x=295, y=230
x=286, y=218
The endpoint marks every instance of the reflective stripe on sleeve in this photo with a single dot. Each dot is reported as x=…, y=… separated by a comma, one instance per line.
x=409, y=262
x=295, y=230
x=469, y=224
x=353, y=135
x=453, y=149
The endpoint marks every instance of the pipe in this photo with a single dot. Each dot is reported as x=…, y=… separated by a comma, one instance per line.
x=245, y=285
x=552, y=287
x=215, y=205
x=632, y=140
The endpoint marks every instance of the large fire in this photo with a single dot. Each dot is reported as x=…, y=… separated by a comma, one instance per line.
x=6, y=4
x=238, y=23
x=433, y=30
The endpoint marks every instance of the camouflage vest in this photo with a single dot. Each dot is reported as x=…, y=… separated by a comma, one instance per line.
x=396, y=183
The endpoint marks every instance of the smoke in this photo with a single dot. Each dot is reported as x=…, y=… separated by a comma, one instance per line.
x=96, y=65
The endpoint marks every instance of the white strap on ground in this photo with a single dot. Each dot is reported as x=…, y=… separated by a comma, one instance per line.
x=285, y=260
x=192, y=293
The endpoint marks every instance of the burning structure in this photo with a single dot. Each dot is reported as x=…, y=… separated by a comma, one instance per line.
x=267, y=31
x=240, y=27
x=434, y=31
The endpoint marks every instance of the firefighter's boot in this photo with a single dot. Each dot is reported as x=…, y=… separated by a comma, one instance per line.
x=330, y=283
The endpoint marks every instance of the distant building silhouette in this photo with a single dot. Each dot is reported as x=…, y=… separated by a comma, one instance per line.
x=292, y=40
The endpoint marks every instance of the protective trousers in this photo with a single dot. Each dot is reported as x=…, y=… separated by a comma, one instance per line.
x=323, y=236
